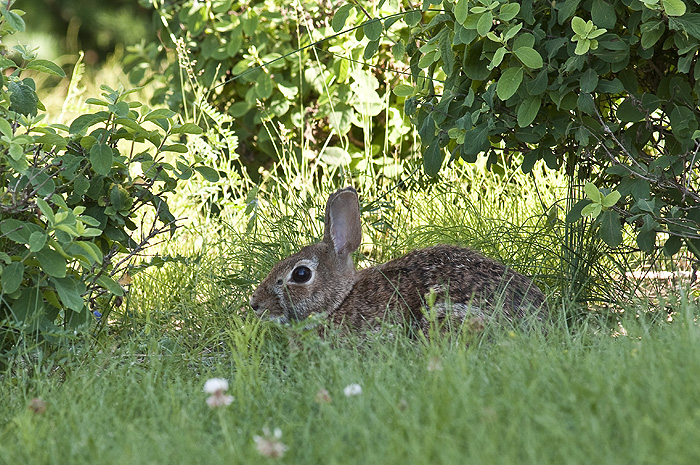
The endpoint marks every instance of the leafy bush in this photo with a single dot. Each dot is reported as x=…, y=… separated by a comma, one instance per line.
x=282, y=74
x=70, y=197
x=604, y=89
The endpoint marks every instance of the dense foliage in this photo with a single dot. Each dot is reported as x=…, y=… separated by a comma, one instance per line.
x=606, y=90
x=71, y=197
x=282, y=74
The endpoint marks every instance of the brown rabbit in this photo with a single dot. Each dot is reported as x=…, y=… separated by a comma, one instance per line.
x=457, y=283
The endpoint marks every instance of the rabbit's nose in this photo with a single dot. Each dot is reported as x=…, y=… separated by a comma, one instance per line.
x=254, y=305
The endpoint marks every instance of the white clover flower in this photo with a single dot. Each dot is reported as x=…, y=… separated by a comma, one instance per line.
x=217, y=388
x=352, y=390
x=214, y=385
x=270, y=445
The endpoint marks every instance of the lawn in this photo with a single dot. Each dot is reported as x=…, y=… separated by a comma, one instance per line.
x=503, y=397
x=588, y=387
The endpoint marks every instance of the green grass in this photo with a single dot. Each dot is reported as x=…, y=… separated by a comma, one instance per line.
x=133, y=394
x=514, y=398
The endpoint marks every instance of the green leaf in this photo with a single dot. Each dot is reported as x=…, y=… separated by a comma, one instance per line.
x=611, y=199
x=101, y=158
x=6, y=63
x=371, y=49
x=646, y=240
x=373, y=29
x=579, y=26
x=413, y=17
x=106, y=282
x=45, y=209
x=51, y=262
x=210, y=174
x=18, y=231
x=23, y=98
x=690, y=23
x=646, y=205
x=69, y=291
x=160, y=114
x=476, y=140
x=121, y=109
x=652, y=35
x=589, y=80
x=403, y=90
x=427, y=130
x=335, y=156
x=530, y=158
x=575, y=213
x=627, y=112
x=446, y=53
x=5, y=128
x=483, y=25
x=29, y=305
x=509, y=82
x=263, y=87
x=497, y=58
x=509, y=11
x=582, y=47
x=646, y=237
x=613, y=86
x=610, y=228
x=398, y=50
x=187, y=128
x=586, y=104
x=592, y=210
x=341, y=16
x=538, y=85
x=672, y=246
x=674, y=7
x=592, y=192
x=528, y=110
x=427, y=59
x=37, y=240
x=46, y=66
x=603, y=14
x=432, y=159
x=91, y=251
x=529, y=56
x=177, y=148
x=83, y=122
x=566, y=9
x=13, y=19
x=12, y=276
x=461, y=11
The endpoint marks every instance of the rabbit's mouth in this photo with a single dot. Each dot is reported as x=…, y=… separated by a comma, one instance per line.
x=280, y=319
x=262, y=312
x=265, y=315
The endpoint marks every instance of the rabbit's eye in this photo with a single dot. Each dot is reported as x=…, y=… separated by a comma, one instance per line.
x=301, y=274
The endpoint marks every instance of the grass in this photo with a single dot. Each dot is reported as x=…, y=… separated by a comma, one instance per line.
x=516, y=398
x=133, y=394
x=579, y=394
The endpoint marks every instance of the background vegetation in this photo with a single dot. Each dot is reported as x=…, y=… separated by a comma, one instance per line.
x=245, y=115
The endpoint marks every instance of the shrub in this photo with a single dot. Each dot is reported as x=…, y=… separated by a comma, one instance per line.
x=71, y=197
x=283, y=75
x=604, y=89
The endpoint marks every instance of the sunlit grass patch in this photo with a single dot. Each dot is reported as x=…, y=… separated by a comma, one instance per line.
x=521, y=397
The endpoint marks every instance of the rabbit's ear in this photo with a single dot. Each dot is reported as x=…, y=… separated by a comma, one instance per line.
x=343, y=228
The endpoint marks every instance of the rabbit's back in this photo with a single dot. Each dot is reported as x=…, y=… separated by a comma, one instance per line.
x=463, y=282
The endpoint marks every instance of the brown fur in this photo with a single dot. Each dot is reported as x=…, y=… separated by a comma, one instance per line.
x=464, y=284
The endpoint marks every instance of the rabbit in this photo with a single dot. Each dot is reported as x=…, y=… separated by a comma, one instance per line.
x=458, y=284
